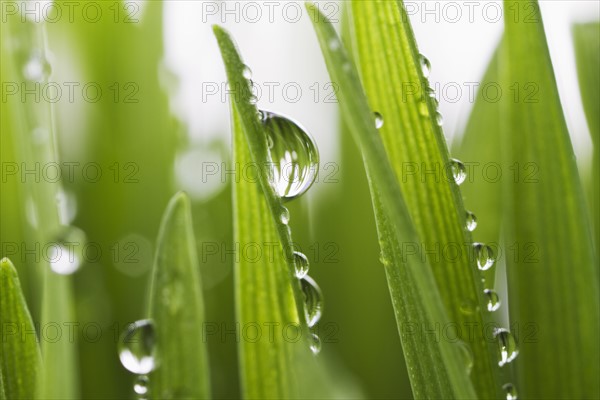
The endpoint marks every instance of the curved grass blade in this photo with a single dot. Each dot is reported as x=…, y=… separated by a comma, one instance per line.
x=412, y=285
x=177, y=309
x=554, y=299
x=20, y=359
x=587, y=43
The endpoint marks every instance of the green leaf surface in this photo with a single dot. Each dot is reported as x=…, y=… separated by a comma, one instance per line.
x=412, y=286
x=177, y=308
x=20, y=360
x=587, y=42
x=554, y=307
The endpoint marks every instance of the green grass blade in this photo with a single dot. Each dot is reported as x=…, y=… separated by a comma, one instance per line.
x=587, y=43
x=554, y=299
x=20, y=360
x=177, y=309
x=411, y=282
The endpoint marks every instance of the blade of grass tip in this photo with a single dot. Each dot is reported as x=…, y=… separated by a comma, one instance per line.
x=394, y=76
x=177, y=308
x=446, y=375
x=553, y=298
x=267, y=292
x=20, y=359
x=587, y=42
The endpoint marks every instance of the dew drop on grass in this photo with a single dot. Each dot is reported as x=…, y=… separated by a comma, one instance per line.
x=493, y=301
x=285, y=215
x=466, y=354
x=425, y=65
x=137, y=347
x=507, y=346
x=293, y=156
x=313, y=300
x=459, y=172
x=511, y=391
x=65, y=251
x=471, y=221
x=484, y=256
x=37, y=68
x=247, y=72
x=301, y=264
x=378, y=120
x=315, y=343
x=439, y=119
x=141, y=385
x=334, y=44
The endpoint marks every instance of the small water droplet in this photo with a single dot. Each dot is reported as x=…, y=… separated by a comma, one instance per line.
x=434, y=99
x=313, y=300
x=467, y=307
x=315, y=343
x=67, y=206
x=65, y=253
x=511, y=391
x=285, y=215
x=301, y=264
x=439, y=119
x=425, y=65
x=347, y=67
x=471, y=221
x=290, y=177
x=253, y=99
x=459, y=172
x=247, y=72
x=37, y=68
x=334, y=44
x=507, y=346
x=378, y=120
x=137, y=347
x=493, y=301
x=466, y=354
x=141, y=385
x=484, y=255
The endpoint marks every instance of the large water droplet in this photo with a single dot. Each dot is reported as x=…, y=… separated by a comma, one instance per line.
x=459, y=172
x=37, y=68
x=247, y=72
x=315, y=343
x=484, y=256
x=294, y=158
x=65, y=251
x=141, y=385
x=301, y=265
x=378, y=120
x=313, y=300
x=425, y=65
x=511, y=391
x=285, y=215
x=507, y=346
x=471, y=221
x=493, y=301
x=137, y=347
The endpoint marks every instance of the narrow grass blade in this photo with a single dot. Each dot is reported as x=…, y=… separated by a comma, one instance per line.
x=177, y=309
x=412, y=286
x=587, y=43
x=553, y=300
x=20, y=360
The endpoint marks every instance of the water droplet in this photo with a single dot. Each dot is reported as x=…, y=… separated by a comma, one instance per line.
x=459, y=172
x=493, y=301
x=313, y=298
x=378, y=120
x=468, y=307
x=425, y=65
x=285, y=215
x=247, y=72
x=301, y=264
x=466, y=354
x=137, y=347
x=347, y=67
x=434, y=99
x=290, y=176
x=37, y=68
x=471, y=221
x=141, y=385
x=334, y=44
x=67, y=206
x=65, y=252
x=315, y=343
x=511, y=391
x=439, y=119
x=253, y=99
x=484, y=255
x=507, y=346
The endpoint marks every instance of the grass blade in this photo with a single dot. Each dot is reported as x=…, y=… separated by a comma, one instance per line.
x=553, y=300
x=412, y=285
x=177, y=309
x=20, y=360
x=587, y=43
